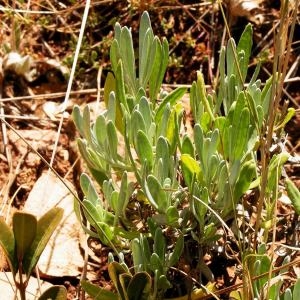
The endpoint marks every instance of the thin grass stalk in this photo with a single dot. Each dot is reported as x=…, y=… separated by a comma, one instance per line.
x=72, y=75
x=279, y=71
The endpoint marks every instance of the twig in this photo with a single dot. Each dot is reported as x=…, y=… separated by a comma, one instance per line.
x=50, y=95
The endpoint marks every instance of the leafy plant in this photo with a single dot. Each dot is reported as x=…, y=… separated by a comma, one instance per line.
x=128, y=287
x=24, y=244
x=155, y=177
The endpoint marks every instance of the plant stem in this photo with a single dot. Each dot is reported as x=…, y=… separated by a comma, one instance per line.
x=21, y=285
x=279, y=71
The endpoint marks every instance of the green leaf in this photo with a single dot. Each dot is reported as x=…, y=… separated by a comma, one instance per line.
x=172, y=216
x=159, y=246
x=198, y=208
x=99, y=130
x=247, y=173
x=160, y=62
x=7, y=242
x=137, y=255
x=274, y=171
x=178, y=249
x=56, y=292
x=240, y=134
x=222, y=93
x=190, y=168
x=230, y=61
x=293, y=194
x=120, y=86
x=109, y=88
x=112, y=140
x=45, y=228
x=266, y=95
x=124, y=281
x=24, y=228
x=156, y=263
x=288, y=294
x=91, y=212
x=139, y=287
x=202, y=95
x=145, y=251
x=199, y=140
x=144, y=149
x=89, y=189
x=105, y=232
x=290, y=113
x=163, y=283
x=82, y=122
x=97, y=292
x=157, y=196
x=137, y=123
x=146, y=111
x=210, y=233
x=146, y=58
x=114, y=202
x=162, y=149
x=115, y=54
x=115, y=270
x=296, y=289
x=111, y=108
x=98, y=175
x=187, y=146
x=245, y=44
x=145, y=43
x=163, y=123
x=123, y=195
x=172, y=99
x=173, y=127
x=77, y=118
x=128, y=59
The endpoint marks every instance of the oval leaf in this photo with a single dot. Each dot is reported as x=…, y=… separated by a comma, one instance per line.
x=56, y=292
x=24, y=227
x=7, y=242
x=139, y=287
x=144, y=148
x=45, y=227
x=97, y=292
x=190, y=168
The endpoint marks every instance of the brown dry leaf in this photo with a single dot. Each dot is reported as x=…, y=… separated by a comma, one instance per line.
x=62, y=255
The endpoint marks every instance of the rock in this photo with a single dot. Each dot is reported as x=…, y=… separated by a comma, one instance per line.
x=8, y=289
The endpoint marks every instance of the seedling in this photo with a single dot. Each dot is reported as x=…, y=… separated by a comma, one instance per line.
x=24, y=244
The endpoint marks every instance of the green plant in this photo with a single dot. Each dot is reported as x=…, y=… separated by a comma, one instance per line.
x=147, y=160
x=161, y=184
x=24, y=244
x=128, y=287
x=143, y=127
